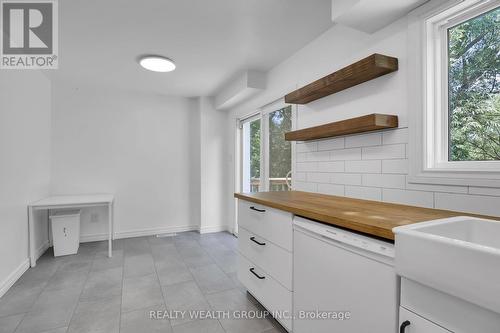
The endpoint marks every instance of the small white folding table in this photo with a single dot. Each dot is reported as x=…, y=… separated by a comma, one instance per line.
x=70, y=201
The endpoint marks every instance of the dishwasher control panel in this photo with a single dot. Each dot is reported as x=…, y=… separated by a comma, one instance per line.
x=343, y=236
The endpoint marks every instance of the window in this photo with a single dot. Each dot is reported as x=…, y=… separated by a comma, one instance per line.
x=454, y=53
x=251, y=155
x=473, y=88
x=280, y=151
x=265, y=155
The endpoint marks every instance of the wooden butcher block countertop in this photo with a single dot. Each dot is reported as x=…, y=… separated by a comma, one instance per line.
x=371, y=217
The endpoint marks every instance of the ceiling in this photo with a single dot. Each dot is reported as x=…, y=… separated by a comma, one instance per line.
x=211, y=41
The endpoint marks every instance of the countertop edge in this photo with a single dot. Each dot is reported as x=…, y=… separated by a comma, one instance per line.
x=345, y=223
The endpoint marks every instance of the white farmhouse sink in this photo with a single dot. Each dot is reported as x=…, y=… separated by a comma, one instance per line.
x=459, y=256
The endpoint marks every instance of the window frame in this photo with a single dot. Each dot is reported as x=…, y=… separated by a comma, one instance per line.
x=428, y=96
x=264, y=112
x=263, y=115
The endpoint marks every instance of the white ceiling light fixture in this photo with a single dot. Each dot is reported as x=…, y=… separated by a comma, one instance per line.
x=157, y=63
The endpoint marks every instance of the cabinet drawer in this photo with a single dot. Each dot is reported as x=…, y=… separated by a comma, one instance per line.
x=272, y=295
x=273, y=224
x=273, y=259
x=410, y=322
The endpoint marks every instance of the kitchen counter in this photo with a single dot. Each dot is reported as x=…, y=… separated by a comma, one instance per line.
x=370, y=217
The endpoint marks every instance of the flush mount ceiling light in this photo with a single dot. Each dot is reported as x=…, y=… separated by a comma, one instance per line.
x=157, y=63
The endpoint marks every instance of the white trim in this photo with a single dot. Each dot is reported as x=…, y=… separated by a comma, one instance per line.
x=41, y=249
x=247, y=118
x=264, y=150
x=427, y=145
x=265, y=111
x=93, y=238
x=14, y=276
x=151, y=232
x=154, y=231
x=214, y=228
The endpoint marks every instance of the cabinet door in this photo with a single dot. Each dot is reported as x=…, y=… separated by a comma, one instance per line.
x=410, y=322
x=273, y=224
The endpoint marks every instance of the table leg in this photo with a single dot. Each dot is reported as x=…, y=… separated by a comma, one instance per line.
x=110, y=230
x=31, y=236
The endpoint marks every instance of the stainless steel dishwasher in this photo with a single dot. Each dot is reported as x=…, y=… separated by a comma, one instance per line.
x=343, y=282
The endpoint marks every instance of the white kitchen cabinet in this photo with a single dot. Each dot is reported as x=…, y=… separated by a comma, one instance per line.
x=265, y=257
x=272, y=224
x=268, y=291
x=275, y=260
x=410, y=322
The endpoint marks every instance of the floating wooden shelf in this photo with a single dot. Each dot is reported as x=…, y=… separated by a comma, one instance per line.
x=368, y=123
x=364, y=70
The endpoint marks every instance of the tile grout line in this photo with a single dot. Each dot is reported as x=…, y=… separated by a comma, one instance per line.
x=205, y=296
x=41, y=291
x=159, y=283
x=81, y=292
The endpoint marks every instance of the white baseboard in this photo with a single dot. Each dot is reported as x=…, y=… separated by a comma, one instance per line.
x=137, y=233
x=41, y=249
x=14, y=276
x=152, y=232
x=214, y=228
x=93, y=238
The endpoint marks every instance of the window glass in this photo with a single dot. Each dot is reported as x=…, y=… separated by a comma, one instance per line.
x=473, y=88
x=280, y=150
x=251, y=156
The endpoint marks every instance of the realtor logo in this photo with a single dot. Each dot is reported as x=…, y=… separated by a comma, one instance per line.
x=28, y=34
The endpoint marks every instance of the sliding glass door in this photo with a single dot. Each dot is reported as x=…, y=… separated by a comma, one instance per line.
x=279, y=151
x=265, y=156
x=251, y=155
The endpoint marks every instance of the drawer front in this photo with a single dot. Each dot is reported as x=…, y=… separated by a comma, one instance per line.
x=271, y=294
x=409, y=322
x=273, y=224
x=273, y=259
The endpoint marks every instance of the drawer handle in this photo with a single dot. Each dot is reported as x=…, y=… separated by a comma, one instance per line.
x=256, y=241
x=258, y=210
x=257, y=275
x=405, y=324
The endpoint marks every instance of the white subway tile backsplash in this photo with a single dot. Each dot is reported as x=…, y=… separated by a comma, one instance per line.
x=305, y=147
x=375, y=166
x=318, y=156
x=331, y=189
x=301, y=176
x=493, y=191
x=399, y=135
x=436, y=188
x=478, y=204
x=346, y=154
x=395, y=166
x=305, y=186
x=345, y=178
x=332, y=166
x=318, y=177
x=384, y=152
x=384, y=180
x=301, y=157
x=364, y=166
x=364, y=140
x=405, y=197
x=361, y=192
x=331, y=144
x=307, y=166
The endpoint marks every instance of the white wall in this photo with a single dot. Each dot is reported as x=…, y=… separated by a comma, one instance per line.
x=141, y=147
x=24, y=166
x=364, y=166
x=213, y=167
